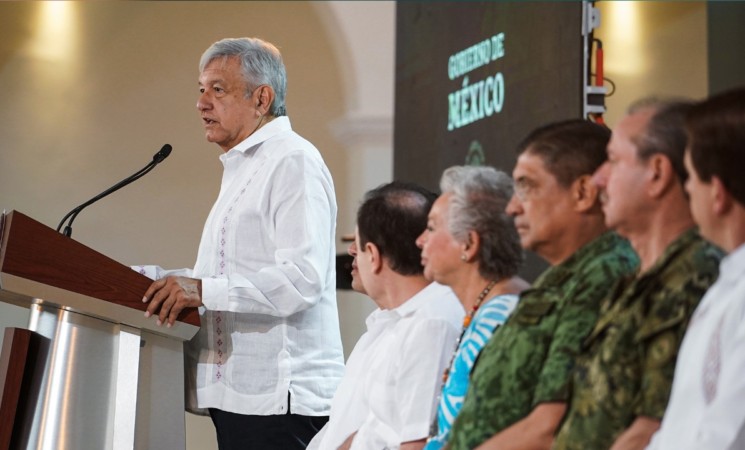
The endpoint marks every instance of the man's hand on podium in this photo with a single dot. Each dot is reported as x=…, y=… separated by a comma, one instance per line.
x=170, y=295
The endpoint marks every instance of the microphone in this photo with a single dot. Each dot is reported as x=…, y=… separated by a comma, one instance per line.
x=157, y=159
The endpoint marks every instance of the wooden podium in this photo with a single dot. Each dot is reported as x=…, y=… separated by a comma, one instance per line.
x=90, y=372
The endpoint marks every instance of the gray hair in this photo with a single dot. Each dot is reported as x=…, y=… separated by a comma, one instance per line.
x=261, y=63
x=665, y=132
x=479, y=199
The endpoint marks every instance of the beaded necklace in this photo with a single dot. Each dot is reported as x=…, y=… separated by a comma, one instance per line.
x=466, y=322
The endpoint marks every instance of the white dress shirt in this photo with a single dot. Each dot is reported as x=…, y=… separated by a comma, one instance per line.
x=707, y=405
x=394, y=374
x=266, y=259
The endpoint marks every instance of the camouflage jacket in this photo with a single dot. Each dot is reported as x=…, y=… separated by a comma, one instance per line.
x=627, y=365
x=529, y=359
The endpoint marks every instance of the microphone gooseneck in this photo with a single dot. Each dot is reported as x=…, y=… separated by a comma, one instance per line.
x=157, y=159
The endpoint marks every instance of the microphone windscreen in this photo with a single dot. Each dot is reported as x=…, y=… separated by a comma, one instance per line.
x=162, y=153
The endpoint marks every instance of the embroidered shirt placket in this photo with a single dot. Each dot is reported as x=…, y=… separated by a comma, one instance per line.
x=218, y=314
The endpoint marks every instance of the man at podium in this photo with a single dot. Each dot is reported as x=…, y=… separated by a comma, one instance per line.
x=268, y=357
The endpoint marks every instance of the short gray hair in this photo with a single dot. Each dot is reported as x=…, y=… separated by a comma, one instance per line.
x=479, y=199
x=261, y=63
x=665, y=133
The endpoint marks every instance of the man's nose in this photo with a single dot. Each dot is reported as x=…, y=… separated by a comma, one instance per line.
x=514, y=206
x=600, y=177
x=203, y=102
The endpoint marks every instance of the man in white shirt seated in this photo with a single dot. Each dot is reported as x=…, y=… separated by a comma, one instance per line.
x=706, y=405
x=387, y=397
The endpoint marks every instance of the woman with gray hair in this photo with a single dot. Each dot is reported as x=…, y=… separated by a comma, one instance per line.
x=471, y=245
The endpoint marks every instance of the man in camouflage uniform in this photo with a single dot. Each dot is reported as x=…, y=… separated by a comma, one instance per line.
x=518, y=390
x=623, y=379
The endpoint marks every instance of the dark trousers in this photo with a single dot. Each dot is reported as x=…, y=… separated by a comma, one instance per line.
x=282, y=432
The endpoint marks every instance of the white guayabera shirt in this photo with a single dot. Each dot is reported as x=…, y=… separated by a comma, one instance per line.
x=394, y=374
x=706, y=409
x=266, y=259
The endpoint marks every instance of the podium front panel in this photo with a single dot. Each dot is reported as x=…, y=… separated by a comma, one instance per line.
x=102, y=386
